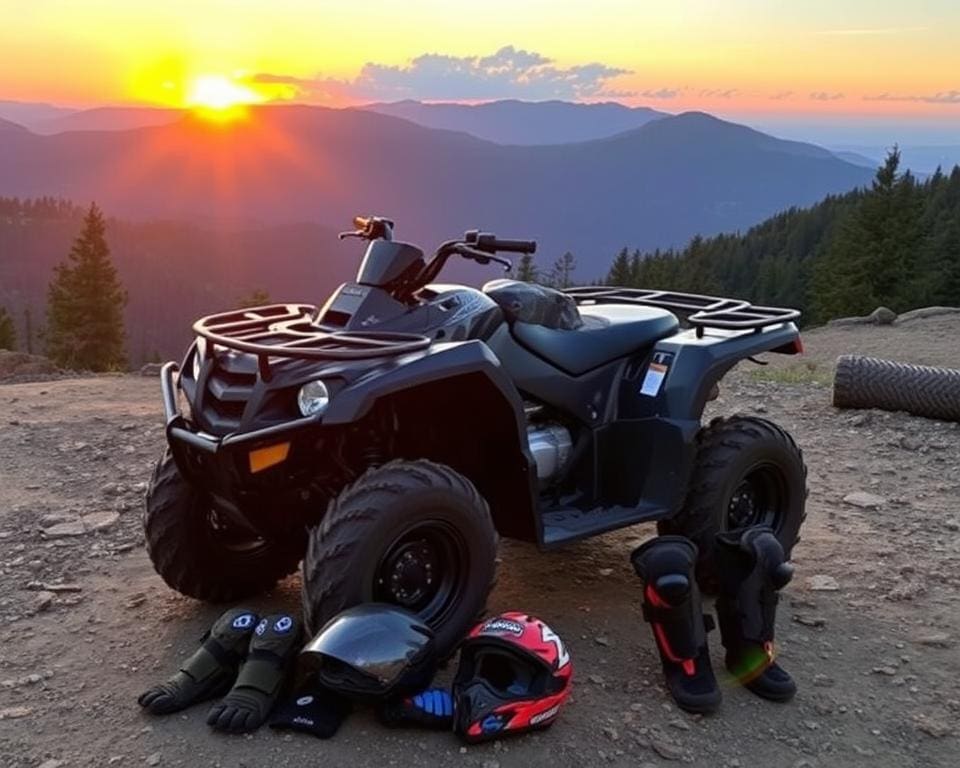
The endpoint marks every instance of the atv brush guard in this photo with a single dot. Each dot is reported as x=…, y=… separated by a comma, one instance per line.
x=701, y=311
x=290, y=331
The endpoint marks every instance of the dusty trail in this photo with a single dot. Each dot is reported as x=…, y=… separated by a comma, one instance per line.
x=876, y=655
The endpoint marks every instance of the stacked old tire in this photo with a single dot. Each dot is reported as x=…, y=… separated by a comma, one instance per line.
x=869, y=382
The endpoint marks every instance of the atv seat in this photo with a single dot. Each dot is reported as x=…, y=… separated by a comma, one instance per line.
x=609, y=331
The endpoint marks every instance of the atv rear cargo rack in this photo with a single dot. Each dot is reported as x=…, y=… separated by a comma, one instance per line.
x=700, y=311
x=291, y=331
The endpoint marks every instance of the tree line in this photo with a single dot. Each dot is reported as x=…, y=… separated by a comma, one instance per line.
x=83, y=326
x=85, y=299
x=896, y=244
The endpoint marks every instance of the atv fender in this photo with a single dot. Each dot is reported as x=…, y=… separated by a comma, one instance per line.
x=696, y=363
x=476, y=413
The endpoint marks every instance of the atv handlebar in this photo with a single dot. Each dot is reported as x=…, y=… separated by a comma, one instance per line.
x=490, y=243
x=516, y=246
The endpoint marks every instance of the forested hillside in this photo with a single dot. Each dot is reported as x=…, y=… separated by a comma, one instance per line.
x=895, y=244
x=172, y=271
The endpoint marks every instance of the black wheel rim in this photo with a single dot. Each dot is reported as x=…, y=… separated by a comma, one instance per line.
x=423, y=570
x=758, y=498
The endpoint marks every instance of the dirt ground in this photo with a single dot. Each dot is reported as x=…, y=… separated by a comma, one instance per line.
x=85, y=624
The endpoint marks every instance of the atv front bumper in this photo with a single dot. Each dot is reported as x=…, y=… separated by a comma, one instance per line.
x=249, y=476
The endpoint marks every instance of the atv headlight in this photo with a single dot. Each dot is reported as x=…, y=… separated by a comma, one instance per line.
x=313, y=398
x=199, y=350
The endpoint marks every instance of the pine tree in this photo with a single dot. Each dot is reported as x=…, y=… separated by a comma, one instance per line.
x=8, y=334
x=561, y=274
x=28, y=330
x=526, y=269
x=620, y=273
x=85, y=304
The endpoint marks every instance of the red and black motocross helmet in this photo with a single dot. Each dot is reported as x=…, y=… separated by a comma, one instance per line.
x=514, y=675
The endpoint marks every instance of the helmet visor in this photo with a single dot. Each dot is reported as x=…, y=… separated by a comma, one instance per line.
x=369, y=647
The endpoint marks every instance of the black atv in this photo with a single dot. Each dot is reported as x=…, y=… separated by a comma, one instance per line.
x=388, y=437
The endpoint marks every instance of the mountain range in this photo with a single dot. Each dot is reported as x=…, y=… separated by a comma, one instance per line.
x=653, y=186
x=510, y=121
x=202, y=212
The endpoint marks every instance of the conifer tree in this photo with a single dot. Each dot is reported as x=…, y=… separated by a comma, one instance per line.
x=85, y=304
x=620, y=272
x=561, y=275
x=8, y=334
x=28, y=330
x=526, y=269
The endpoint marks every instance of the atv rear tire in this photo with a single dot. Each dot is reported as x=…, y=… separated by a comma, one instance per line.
x=196, y=554
x=748, y=471
x=412, y=533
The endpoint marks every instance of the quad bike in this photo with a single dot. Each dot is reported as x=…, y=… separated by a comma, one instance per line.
x=387, y=438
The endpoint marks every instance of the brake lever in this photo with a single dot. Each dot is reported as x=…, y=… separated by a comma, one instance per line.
x=355, y=233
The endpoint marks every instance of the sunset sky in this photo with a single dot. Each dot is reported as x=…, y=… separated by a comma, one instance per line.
x=842, y=59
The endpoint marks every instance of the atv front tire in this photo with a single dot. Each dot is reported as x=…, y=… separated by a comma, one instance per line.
x=197, y=553
x=748, y=471
x=411, y=533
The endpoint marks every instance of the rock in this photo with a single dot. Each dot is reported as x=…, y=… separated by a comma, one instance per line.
x=136, y=600
x=95, y=521
x=605, y=571
x=933, y=726
x=154, y=758
x=888, y=671
x=919, y=314
x=56, y=588
x=809, y=621
x=879, y=316
x=600, y=640
x=43, y=601
x=679, y=724
x=14, y=713
x=610, y=732
x=60, y=530
x=864, y=500
x=822, y=583
x=906, y=591
x=935, y=640
x=667, y=751
x=151, y=369
x=882, y=316
x=952, y=525
x=595, y=679
x=100, y=521
x=55, y=518
x=51, y=764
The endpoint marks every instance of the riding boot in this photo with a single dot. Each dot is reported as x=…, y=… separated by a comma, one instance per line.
x=753, y=570
x=671, y=605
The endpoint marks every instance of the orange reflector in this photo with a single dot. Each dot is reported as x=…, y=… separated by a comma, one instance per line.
x=264, y=458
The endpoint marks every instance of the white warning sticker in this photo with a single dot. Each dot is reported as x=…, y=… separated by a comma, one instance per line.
x=652, y=382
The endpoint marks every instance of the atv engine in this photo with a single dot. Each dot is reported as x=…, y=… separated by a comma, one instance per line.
x=551, y=446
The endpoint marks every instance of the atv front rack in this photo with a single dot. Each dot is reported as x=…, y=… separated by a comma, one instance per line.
x=291, y=331
x=700, y=311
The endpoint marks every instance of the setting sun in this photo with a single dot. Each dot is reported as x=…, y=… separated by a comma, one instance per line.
x=216, y=92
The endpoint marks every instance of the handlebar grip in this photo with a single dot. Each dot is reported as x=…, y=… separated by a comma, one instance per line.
x=515, y=246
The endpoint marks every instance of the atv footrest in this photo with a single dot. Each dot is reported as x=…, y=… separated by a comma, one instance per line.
x=562, y=526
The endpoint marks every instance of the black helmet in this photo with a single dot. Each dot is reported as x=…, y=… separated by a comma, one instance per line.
x=373, y=651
